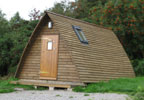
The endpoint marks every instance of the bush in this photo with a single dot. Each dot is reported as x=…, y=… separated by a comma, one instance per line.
x=138, y=66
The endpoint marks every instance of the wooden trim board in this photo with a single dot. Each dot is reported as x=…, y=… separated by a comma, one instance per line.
x=48, y=78
x=40, y=84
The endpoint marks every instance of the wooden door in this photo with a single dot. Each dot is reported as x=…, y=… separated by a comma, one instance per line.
x=49, y=56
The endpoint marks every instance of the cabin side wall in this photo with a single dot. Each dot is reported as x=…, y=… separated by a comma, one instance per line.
x=102, y=59
x=30, y=65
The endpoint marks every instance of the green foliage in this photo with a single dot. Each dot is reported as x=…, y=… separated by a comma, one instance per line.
x=86, y=94
x=6, y=87
x=15, y=21
x=132, y=86
x=81, y=8
x=13, y=41
x=5, y=44
x=140, y=89
x=71, y=97
x=139, y=96
x=138, y=66
x=58, y=95
x=4, y=27
x=63, y=7
x=42, y=88
x=125, y=18
x=123, y=85
x=79, y=89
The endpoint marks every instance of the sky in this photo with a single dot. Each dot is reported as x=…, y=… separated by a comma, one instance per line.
x=24, y=7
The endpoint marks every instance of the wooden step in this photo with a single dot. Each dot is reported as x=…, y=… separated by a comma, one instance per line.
x=54, y=84
x=40, y=84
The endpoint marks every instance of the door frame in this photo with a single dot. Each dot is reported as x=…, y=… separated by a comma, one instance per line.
x=50, y=78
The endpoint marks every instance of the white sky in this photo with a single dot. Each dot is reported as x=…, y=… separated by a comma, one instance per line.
x=10, y=7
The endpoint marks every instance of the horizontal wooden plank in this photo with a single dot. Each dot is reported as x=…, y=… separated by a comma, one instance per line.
x=41, y=84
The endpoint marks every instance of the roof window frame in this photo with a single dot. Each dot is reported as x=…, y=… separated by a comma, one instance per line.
x=82, y=39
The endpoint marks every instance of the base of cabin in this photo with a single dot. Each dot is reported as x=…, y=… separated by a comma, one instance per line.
x=46, y=83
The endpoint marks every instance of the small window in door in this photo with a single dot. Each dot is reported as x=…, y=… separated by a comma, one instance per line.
x=50, y=45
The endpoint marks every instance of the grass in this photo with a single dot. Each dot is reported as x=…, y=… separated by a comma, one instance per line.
x=86, y=95
x=131, y=86
x=121, y=85
x=58, y=95
x=134, y=87
x=6, y=87
x=70, y=96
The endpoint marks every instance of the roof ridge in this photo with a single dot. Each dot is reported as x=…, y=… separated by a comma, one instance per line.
x=76, y=19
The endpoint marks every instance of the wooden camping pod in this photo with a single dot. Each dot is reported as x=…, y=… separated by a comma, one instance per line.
x=103, y=58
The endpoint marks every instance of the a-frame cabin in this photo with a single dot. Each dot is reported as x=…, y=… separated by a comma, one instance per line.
x=66, y=51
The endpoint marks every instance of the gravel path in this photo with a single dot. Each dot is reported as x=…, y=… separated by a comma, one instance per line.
x=60, y=95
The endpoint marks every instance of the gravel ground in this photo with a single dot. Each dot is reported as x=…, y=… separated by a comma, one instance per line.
x=60, y=95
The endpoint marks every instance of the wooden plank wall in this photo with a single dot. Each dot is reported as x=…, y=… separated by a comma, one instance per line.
x=102, y=59
x=30, y=67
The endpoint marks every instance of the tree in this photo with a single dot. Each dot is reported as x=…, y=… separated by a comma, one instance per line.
x=35, y=14
x=16, y=21
x=19, y=37
x=63, y=7
x=82, y=8
x=5, y=60
x=125, y=18
x=4, y=44
x=4, y=27
x=15, y=36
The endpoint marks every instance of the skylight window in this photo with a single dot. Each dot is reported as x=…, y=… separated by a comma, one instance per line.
x=80, y=34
